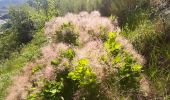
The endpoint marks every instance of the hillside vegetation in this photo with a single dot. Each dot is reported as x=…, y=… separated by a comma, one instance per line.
x=86, y=50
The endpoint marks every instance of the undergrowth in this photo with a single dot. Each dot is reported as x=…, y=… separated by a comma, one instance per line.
x=14, y=64
x=148, y=34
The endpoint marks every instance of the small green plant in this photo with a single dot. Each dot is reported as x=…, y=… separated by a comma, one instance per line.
x=113, y=47
x=56, y=62
x=53, y=89
x=36, y=68
x=70, y=54
x=130, y=72
x=83, y=74
x=67, y=34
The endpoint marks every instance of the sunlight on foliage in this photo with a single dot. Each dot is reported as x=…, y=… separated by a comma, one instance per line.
x=82, y=73
x=129, y=71
x=52, y=89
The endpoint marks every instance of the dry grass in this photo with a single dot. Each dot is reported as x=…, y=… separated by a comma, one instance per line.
x=18, y=90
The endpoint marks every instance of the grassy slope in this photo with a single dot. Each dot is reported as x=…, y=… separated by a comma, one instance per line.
x=148, y=37
x=14, y=64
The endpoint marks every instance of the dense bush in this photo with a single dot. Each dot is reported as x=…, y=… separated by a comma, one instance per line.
x=141, y=24
x=21, y=21
x=67, y=34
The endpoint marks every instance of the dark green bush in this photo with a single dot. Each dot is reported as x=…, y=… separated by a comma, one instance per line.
x=70, y=54
x=22, y=23
x=67, y=34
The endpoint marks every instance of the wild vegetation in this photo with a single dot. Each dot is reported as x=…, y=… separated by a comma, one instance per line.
x=146, y=28
x=106, y=50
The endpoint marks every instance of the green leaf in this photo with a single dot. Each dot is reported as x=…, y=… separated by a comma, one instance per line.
x=117, y=59
x=70, y=74
x=112, y=35
x=117, y=46
x=136, y=67
x=53, y=91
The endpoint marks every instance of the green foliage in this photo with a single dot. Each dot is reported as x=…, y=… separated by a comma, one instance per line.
x=133, y=18
x=56, y=62
x=129, y=71
x=147, y=33
x=28, y=18
x=8, y=44
x=113, y=47
x=36, y=68
x=70, y=54
x=83, y=74
x=109, y=7
x=70, y=82
x=65, y=6
x=32, y=97
x=17, y=60
x=22, y=23
x=53, y=89
x=26, y=24
x=67, y=34
x=46, y=7
x=158, y=68
x=140, y=29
